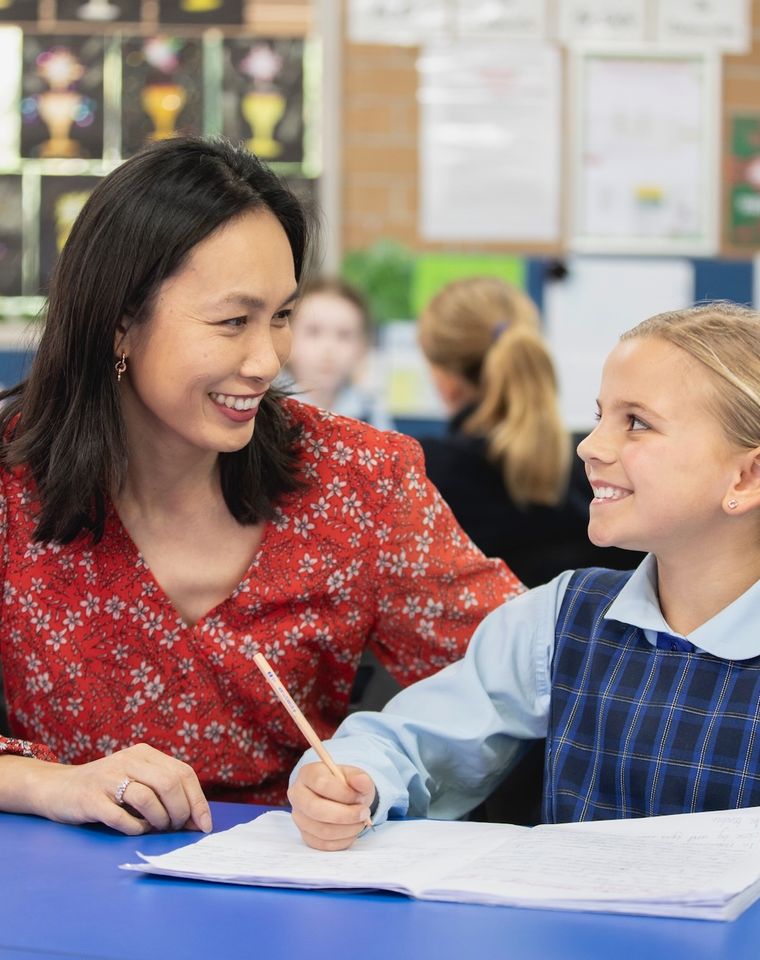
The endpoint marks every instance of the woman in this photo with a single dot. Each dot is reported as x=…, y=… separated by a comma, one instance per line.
x=166, y=514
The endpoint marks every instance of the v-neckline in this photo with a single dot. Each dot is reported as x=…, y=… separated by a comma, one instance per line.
x=114, y=518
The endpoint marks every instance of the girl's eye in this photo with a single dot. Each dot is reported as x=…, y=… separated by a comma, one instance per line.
x=636, y=424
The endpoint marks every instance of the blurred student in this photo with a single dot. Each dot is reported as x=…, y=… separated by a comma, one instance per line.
x=332, y=339
x=506, y=467
x=645, y=683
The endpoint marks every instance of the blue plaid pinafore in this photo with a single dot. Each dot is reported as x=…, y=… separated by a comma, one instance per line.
x=637, y=730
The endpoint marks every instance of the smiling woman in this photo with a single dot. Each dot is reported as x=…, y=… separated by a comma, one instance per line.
x=166, y=513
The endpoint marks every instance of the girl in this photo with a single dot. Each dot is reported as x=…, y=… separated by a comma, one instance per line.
x=506, y=466
x=646, y=685
x=332, y=338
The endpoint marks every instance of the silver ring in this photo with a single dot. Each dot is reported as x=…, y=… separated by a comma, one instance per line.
x=119, y=795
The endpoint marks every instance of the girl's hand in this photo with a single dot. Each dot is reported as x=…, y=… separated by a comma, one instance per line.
x=329, y=814
x=161, y=793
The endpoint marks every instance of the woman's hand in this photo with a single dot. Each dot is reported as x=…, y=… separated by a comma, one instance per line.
x=157, y=792
x=329, y=814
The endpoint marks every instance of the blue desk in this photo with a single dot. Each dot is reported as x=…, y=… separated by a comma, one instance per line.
x=62, y=896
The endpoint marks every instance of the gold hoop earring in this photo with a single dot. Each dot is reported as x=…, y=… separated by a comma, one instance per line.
x=120, y=367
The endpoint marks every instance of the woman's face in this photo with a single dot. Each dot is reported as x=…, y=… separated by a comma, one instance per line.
x=218, y=335
x=328, y=342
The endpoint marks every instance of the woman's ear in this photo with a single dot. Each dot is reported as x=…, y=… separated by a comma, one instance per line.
x=744, y=493
x=121, y=338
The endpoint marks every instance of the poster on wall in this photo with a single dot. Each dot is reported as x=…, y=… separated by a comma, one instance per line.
x=11, y=235
x=743, y=220
x=61, y=199
x=216, y=12
x=62, y=96
x=644, y=151
x=489, y=158
x=162, y=90
x=100, y=11
x=15, y=11
x=262, y=99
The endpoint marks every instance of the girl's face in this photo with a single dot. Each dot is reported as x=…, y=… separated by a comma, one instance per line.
x=658, y=460
x=217, y=337
x=329, y=342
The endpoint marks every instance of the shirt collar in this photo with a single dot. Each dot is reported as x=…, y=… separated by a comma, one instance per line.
x=731, y=634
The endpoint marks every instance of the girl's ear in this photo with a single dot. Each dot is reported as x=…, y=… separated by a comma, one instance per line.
x=744, y=494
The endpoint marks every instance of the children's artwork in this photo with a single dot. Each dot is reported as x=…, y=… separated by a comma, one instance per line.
x=62, y=96
x=100, y=11
x=61, y=199
x=11, y=235
x=162, y=90
x=744, y=181
x=200, y=11
x=263, y=96
x=18, y=10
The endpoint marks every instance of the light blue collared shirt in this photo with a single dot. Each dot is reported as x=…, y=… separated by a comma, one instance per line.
x=441, y=746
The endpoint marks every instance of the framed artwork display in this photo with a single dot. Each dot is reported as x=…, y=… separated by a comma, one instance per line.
x=645, y=151
x=262, y=96
x=216, y=12
x=162, y=89
x=100, y=11
x=11, y=235
x=62, y=96
x=13, y=11
x=61, y=199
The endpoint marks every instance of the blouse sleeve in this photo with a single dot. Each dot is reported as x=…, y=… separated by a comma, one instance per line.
x=23, y=748
x=434, y=586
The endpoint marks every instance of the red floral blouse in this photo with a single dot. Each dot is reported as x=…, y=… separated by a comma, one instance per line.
x=96, y=658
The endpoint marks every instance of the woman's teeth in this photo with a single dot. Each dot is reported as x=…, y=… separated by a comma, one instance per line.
x=235, y=403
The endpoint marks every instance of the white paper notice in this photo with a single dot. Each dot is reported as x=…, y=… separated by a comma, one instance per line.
x=602, y=20
x=489, y=141
x=397, y=22
x=718, y=24
x=586, y=312
x=515, y=19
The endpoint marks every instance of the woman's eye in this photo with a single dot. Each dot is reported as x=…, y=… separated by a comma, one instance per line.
x=283, y=316
x=235, y=322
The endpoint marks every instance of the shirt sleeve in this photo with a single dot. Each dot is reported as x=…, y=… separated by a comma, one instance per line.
x=441, y=746
x=11, y=745
x=434, y=584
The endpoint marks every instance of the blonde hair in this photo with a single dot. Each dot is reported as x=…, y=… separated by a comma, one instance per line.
x=487, y=331
x=725, y=337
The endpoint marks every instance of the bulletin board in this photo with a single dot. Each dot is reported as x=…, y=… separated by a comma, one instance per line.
x=84, y=84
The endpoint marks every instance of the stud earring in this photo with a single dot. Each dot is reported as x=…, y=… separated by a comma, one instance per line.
x=120, y=367
x=732, y=504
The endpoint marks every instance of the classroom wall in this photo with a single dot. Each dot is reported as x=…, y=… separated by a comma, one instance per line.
x=379, y=189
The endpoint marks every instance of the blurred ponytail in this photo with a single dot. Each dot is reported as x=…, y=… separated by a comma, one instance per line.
x=519, y=416
x=487, y=331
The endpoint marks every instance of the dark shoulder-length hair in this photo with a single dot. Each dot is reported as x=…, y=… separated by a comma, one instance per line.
x=138, y=227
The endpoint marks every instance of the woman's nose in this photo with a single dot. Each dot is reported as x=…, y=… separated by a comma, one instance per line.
x=262, y=360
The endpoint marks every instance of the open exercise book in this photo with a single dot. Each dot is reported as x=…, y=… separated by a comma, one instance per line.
x=693, y=865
